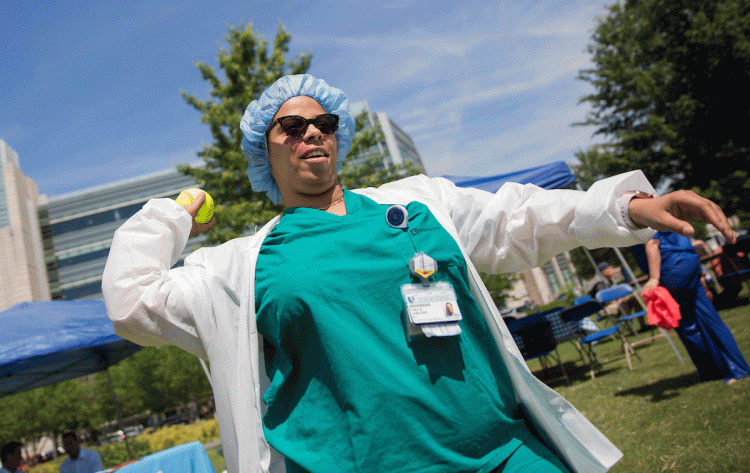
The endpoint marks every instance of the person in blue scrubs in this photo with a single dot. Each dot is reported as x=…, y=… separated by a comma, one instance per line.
x=674, y=264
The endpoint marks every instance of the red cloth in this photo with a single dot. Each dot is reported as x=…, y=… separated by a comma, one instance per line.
x=662, y=309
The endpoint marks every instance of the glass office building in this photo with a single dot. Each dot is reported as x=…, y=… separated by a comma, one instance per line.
x=77, y=229
x=397, y=147
x=22, y=274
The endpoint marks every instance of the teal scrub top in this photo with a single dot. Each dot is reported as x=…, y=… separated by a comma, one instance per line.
x=350, y=392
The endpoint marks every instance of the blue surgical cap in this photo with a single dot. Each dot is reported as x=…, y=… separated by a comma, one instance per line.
x=259, y=115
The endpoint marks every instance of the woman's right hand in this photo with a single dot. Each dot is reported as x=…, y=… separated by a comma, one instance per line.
x=192, y=209
x=671, y=212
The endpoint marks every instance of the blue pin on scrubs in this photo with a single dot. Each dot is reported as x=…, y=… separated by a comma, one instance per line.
x=397, y=216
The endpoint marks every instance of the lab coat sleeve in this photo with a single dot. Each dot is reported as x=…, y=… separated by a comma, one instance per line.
x=146, y=301
x=522, y=226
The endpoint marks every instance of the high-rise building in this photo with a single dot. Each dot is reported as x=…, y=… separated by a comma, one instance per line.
x=78, y=229
x=22, y=269
x=397, y=146
x=541, y=285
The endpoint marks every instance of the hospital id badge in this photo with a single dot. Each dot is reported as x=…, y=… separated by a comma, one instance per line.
x=435, y=303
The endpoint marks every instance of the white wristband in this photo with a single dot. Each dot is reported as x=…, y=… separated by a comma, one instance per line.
x=623, y=204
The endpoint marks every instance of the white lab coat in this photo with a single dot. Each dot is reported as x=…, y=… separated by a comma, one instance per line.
x=207, y=306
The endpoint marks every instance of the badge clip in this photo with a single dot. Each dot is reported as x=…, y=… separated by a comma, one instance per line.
x=422, y=266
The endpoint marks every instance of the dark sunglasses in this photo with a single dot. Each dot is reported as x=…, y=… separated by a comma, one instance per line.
x=295, y=126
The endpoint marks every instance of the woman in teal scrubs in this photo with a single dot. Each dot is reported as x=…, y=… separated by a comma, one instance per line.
x=351, y=390
x=349, y=292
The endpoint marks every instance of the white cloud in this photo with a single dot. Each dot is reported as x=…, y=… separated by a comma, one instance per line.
x=434, y=80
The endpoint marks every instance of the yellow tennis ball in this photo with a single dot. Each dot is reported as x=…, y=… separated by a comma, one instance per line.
x=206, y=211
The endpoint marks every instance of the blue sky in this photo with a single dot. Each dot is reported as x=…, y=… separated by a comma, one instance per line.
x=91, y=90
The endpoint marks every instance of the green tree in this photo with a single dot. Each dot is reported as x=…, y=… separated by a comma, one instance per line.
x=670, y=79
x=593, y=165
x=130, y=396
x=154, y=379
x=182, y=376
x=249, y=68
x=52, y=409
x=498, y=286
x=143, y=372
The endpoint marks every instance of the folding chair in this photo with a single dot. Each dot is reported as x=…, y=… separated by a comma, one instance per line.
x=575, y=313
x=619, y=291
x=538, y=341
x=586, y=324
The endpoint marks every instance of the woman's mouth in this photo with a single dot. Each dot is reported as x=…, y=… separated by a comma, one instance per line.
x=316, y=154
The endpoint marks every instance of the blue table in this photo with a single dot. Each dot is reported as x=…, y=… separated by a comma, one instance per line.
x=186, y=458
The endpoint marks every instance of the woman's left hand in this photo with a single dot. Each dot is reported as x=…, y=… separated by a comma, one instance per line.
x=670, y=211
x=650, y=285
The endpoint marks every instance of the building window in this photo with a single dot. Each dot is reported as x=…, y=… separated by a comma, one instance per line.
x=64, y=261
x=562, y=263
x=79, y=292
x=108, y=216
x=549, y=273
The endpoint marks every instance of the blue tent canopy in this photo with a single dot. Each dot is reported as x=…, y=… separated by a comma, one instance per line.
x=556, y=175
x=44, y=343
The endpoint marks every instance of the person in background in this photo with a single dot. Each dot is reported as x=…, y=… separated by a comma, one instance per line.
x=702, y=249
x=10, y=454
x=80, y=460
x=674, y=264
x=604, y=279
x=629, y=303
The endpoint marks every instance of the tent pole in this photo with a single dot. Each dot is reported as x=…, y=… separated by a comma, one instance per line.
x=119, y=417
x=205, y=370
x=631, y=277
x=591, y=260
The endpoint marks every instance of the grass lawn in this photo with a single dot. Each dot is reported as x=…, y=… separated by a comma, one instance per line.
x=216, y=459
x=659, y=415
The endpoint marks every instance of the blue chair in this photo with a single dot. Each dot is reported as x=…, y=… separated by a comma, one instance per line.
x=615, y=293
x=538, y=341
x=575, y=313
x=586, y=324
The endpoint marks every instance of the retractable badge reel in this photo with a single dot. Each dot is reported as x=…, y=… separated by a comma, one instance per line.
x=397, y=216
